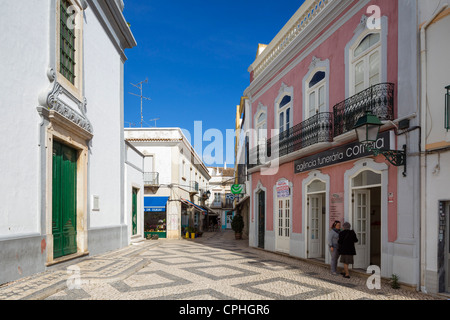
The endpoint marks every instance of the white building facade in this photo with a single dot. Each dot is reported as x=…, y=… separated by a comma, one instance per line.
x=174, y=180
x=221, y=206
x=434, y=45
x=62, y=74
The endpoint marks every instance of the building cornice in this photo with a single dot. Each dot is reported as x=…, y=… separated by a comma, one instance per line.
x=113, y=22
x=290, y=56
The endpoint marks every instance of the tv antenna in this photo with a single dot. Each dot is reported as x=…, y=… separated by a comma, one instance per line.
x=154, y=120
x=139, y=86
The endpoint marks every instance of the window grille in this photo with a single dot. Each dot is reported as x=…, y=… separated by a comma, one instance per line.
x=67, y=41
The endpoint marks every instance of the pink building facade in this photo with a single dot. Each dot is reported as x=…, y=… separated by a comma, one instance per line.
x=331, y=62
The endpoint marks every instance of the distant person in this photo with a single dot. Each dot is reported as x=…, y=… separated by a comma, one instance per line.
x=333, y=238
x=347, y=240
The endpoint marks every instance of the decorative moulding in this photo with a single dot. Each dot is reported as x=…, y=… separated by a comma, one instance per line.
x=52, y=100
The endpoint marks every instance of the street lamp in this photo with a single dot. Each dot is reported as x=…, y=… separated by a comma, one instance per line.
x=206, y=195
x=367, y=129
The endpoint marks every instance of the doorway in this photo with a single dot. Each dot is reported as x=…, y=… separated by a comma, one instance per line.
x=283, y=224
x=64, y=198
x=366, y=218
x=261, y=210
x=316, y=192
x=134, y=212
x=229, y=216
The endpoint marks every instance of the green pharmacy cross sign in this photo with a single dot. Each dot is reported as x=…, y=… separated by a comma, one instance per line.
x=237, y=188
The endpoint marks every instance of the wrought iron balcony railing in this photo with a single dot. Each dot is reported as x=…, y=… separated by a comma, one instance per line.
x=222, y=203
x=151, y=178
x=194, y=187
x=316, y=129
x=379, y=99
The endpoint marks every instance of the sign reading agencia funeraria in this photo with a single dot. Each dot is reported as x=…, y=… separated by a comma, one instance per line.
x=351, y=151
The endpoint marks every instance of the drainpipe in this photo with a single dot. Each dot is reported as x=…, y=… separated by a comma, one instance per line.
x=423, y=156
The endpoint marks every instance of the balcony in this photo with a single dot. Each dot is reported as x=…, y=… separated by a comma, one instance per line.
x=318, y=128
x=324, y=127
x=222, y=203
x=151, y=179
x=379, y=99
x=193, y=187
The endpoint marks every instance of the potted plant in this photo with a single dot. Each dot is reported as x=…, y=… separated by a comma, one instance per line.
x=237, y=224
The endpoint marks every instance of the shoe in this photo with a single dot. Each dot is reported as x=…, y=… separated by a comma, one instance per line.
x=347, y=277
x=334, y=273
x=343, y=273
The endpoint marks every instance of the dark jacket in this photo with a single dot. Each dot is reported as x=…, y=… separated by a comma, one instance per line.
x=347, y=239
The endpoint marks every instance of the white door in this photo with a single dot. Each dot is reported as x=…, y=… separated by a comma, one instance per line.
x=361, y=219
x=283, y=224
x=315, y=226
x=229, y=219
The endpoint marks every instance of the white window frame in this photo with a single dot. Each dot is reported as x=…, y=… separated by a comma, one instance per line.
x=315, y=89
x=316, y=66
x=261, y=128
x=76, y=88
x=284, y=111
x=365, y=59
x=284, y=91
x=360, y=33
x=257, y=139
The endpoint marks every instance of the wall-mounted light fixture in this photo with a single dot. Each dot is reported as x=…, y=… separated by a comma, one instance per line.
x=367, y=129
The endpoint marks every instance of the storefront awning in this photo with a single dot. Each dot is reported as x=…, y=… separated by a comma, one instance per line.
x=155, y=204
x=197, y=207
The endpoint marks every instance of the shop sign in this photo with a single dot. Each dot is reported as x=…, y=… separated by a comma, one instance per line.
x=238, y=188
x=351, y=151
x=283, y=190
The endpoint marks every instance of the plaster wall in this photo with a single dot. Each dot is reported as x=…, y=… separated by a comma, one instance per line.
x=102, y=82
x=28, y=55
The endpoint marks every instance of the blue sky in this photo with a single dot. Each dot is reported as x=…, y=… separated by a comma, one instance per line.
x=195, y=55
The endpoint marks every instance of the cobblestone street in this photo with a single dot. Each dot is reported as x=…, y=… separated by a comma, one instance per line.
x=213, y=267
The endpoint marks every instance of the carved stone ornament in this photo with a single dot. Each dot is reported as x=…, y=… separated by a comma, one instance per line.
x=51, y=99
x=314, y=63
x=362, y=24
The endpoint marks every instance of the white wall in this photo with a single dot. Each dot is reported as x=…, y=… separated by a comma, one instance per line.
x=102, y=67
x=133, y=179
x=24, y=59
x=438, y=51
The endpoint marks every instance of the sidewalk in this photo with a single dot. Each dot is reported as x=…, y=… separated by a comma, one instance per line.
x=132, y=273
x=105, y=268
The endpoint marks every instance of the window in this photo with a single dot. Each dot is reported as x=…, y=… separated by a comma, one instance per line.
x=67, y=41
x=69, y=46
x=284, y=114
x=316, y=94
x=367, y=63
x=183, y=169
x=261, y=129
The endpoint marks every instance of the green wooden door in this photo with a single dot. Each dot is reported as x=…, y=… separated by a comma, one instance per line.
x=134, y=211
x=64, y=200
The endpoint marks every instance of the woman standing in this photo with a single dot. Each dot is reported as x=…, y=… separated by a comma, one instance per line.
x=347, y=239
x=333, y=238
